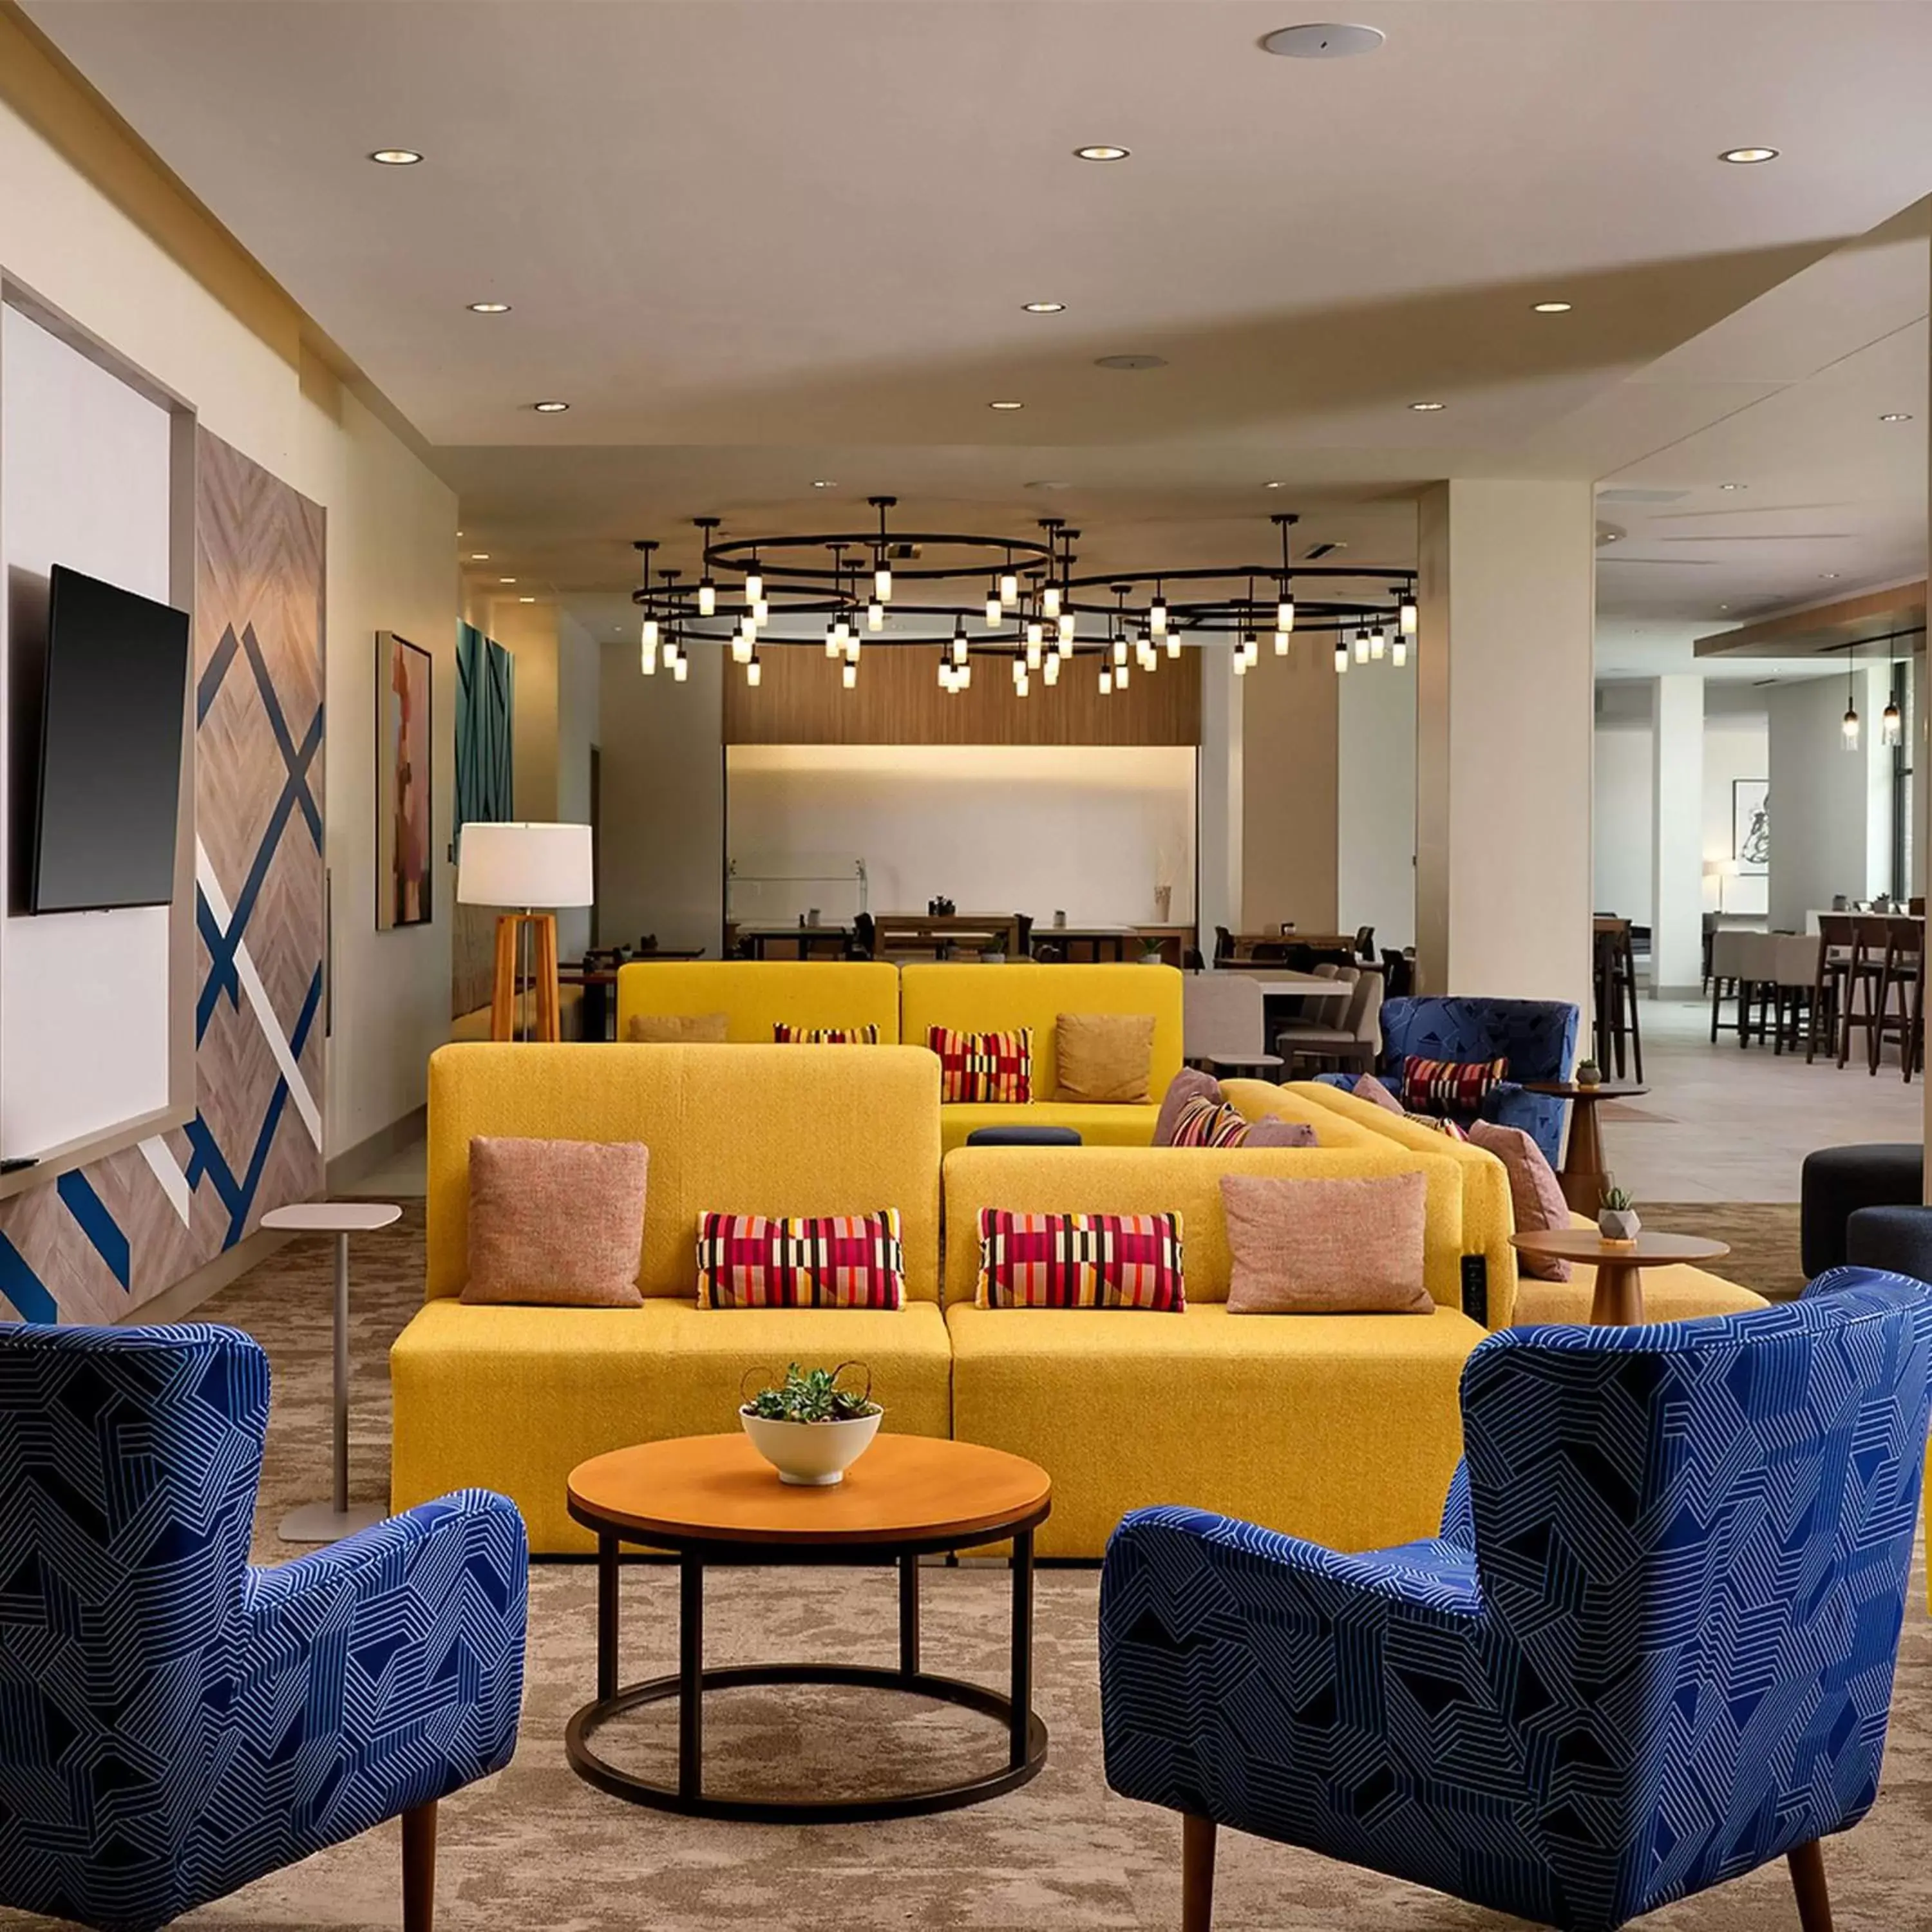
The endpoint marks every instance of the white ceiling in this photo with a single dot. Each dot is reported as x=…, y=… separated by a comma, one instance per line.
x=754, y=242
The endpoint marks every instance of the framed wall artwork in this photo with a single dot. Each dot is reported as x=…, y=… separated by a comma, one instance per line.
x=404, y=677
x=1751, y=827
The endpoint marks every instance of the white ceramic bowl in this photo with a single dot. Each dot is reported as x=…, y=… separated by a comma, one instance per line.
x=814, y=1455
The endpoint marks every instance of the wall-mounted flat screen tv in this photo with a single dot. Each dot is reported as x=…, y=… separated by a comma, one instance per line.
x=112, y=707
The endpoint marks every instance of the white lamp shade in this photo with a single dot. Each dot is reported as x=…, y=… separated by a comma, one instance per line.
x=508, y=864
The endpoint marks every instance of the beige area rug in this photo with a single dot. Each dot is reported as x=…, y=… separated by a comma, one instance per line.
x=536, y=1848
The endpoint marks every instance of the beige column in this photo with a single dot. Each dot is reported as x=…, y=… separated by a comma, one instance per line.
x=1504, y=665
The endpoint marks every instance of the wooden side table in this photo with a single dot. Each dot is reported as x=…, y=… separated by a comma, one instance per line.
x=1619, y=1300
x=330, y=1522
x=1583, y=1174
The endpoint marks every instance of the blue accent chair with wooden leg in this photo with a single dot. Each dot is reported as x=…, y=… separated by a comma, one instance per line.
x=1651, y=1649
x=175, y=1722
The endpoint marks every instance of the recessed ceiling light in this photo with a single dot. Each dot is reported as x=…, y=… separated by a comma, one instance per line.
x=526, y=600
x=479, y=556
x=1101, y=152
x=1826, y=574
x=1138, y=362
x=1323, y=40
x=1744, y=158
x=1733, y=486
x=1551, y=308
x=1427, y=406
x=1896, y=416
x=396, y=158
x=550, y=408
x=1006, y=406
x=506, y=580
x=1044, y=308
x=489, y=308
x=824, y=483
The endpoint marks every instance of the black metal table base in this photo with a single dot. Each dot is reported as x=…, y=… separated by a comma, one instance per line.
x=1026, y=1733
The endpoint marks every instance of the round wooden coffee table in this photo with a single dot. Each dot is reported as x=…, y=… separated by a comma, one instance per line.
x=713, y=1499
x=1582, y=1175
x=1619, y=1300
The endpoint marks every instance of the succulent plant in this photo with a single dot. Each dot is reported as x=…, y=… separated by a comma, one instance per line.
x=815, y=1395
x=1617, y=1200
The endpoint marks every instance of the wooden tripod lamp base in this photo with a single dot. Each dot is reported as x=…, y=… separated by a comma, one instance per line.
x=547, y=1024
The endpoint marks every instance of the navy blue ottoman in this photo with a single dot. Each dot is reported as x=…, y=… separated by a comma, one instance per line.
x=1023, y=1137
x=1898, y=1239
x=1839, y=1181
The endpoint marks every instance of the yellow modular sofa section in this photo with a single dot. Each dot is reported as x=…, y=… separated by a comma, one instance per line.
x=512, y=1399
x=1343, y=1428
x=1678, y=1293
x=997, y=999
x=755, y=995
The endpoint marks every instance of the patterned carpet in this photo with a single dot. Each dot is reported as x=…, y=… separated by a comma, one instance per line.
x=536, y=1848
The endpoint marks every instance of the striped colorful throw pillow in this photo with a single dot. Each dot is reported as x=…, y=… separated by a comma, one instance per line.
x=1208, y=1122
x=831, y=1261
x=982, y=1066
x=1080, y=1261
x=1460, y=1085
x=784, y=1034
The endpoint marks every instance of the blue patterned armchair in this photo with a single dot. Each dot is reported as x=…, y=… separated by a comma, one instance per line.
x=1537, y=1037
x=174, y=1723
x=1652, y=1649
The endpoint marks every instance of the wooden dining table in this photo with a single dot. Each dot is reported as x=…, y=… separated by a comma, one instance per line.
x=941, y=934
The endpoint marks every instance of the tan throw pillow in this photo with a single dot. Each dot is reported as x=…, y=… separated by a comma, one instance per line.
x=1535, y=1193
x=1326, y=1247
x=556, y=1224
x=679, y=1029
x=1106, y=1059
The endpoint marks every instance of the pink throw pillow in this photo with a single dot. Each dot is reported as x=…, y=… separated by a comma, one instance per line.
x=1326, y=1247
x=556, y=1224
x=1368, y=1087
x=1535, y=1194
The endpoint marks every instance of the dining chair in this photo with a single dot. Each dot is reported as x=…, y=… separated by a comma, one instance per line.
x=1902, y=971
x=1837, y=937
x=1616, y=991
x=1651, y=1649
x=178, y=1722
x=1864, y=971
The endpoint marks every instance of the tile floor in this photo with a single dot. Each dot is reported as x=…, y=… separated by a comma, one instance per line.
x=1726, y=1123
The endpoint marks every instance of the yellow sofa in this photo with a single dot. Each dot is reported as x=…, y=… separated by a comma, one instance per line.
x=512, y=1399
x=755, y=995
x=1677, y=1293
x=990, y=999
x=1344, y=1428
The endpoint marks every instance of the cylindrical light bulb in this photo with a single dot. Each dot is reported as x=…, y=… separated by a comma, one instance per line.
x=834, y=643
x=755, y=589
x=1157, y=617
x=841, y=630
x=959, y=650
x=647, y=660
x=1010, y=588
x=1341, y=654
x=1049, y=600
x=1251, y=647
x=993, y=612
x=681, y=669
x=1067, y=627
x=1406, y=619
x=1240, y=662
x=849, y=677
x=875, y=616
x=648, y=638
x=1399, y=651
x=1036, y=632
x=707, y=598
x=1106, y=680
x=1052, y=672
x=963, y=676
x=852, y=650
x=748, y=625
x=1891, y=726
x=1120, y=651
x=754, y=672
x=1174, y=643
x=761, y=610
x=1033, y=651
x=1065, y=644
x=1121, y=674
x=1851, y=730
x=1281, y=641
x=1361, y=646
x=741, y=650
x=1377, y=641
x=882, y=584
x=1284, y=614
x=673, y=656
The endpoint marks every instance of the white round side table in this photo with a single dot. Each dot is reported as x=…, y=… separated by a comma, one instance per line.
x=329, y=1522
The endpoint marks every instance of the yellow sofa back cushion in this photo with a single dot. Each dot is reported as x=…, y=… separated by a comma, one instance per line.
x=755, y=995
x=1185, y=1181
x=776, y=1130
x=996, y=999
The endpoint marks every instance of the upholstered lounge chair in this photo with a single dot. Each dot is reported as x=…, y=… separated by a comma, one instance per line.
x=175, y=1722
x=1651, y=1649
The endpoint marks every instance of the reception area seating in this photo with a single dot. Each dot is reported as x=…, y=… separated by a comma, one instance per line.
x=180, y=1723
x=1596, y=1690
x=756, y=996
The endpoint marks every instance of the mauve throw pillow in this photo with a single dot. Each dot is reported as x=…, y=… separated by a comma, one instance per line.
x=1368, y=1087
x=1326, y=1247
x=1269, y=1132
x=1535, y=1193
x=1190, y=1084
x=556, y=1224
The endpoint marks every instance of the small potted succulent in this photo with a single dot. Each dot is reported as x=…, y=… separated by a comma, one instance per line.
x=1588, y=1073
x=812, y=1426
x=1617, y=1220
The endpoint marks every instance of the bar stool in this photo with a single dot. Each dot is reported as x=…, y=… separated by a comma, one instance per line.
x=1836, y=939
x=1864, y=968
x=1616, y=995
x=1902, y=971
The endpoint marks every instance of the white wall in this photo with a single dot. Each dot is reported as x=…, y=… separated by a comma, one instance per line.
x=1735, y=747
x=1622, y=830
x=1826, y=838
x=85, y=474
x=395, y=521
x=1374, y=820
x=1089, y=830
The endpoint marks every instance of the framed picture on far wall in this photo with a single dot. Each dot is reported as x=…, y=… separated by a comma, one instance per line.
x=1751, y=827
x=404, y=681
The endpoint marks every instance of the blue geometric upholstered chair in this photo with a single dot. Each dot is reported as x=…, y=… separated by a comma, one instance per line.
x=174, y=1723
x=1651, y=1649
x=1537, y=1037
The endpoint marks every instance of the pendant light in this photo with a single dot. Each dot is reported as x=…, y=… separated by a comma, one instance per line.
x=882, y=574
x=875, y=616
x=1120, y=652
x=1067, y=627
x=1341, y=653
x=945, y=677
x=1240, y=661
x=1009, y=582
x=1406, y=612
x=755, y=583
x=1251, y=649
x=1284, y=609
x=1120, y=676
x=1106, y=680
x=838, y=631
x=1174, y=643
x=852, y=644
x=647, y=637
x=1036, y=634
x=1399, y=651
x=1892, y=724
x=681, y=670
x=835, y=645
x=993, y=612
x=849, y=676
x=707, y=590
x=1157, y=612
x=1850, y=727
x=1049, y=601
x=1034, y=647
x=960, y=651
x=741, y=650
x=647, y=655
x=1361, y=644
x=1377, y=640
x=754, y=673
x=1050, y=671
x=962, y=678
x=761, y=612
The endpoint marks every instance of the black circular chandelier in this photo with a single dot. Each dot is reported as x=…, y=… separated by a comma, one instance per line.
x=1018, y=599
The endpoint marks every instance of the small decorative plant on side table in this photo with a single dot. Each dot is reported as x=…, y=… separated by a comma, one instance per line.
x=1588, y=1074
x=811, y=1427
x=1617, y=1219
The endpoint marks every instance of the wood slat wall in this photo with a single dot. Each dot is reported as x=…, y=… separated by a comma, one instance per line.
x=802, y=701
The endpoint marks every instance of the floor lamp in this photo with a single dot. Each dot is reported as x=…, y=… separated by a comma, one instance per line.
x=525, y=866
